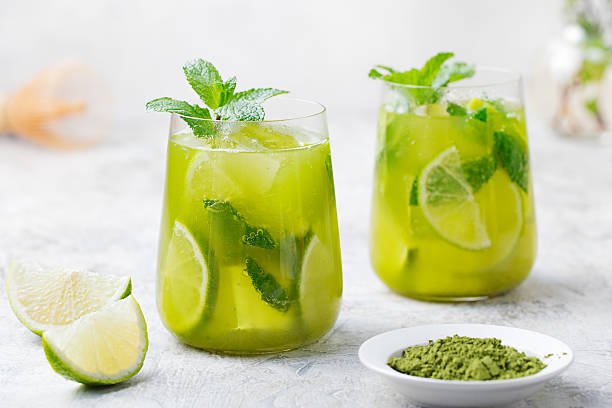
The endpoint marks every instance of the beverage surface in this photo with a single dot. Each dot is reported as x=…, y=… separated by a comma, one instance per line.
x=452, y=214
x=249, y=256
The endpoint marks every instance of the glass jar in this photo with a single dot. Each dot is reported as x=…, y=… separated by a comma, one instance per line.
x=453, y=210
x=249, y=254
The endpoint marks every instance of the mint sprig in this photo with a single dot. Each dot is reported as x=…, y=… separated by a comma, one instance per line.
x=433, y=77
x=218, y=96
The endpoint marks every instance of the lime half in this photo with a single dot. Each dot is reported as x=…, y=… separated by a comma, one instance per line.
x=103, y=347
x=187, y=286
x=448, y=202
x=44, y=297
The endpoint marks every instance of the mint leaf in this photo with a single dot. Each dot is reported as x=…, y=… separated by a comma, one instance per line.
x=414, y=193
x=456, y=110
x=246, y=105
x=513, y=158
x=189, y=113
x=241, y=111
x=258, y=94
x=375, y=73
x=430, y=73
x=252, y=235
x=267, y=286
x=206, y=82
x=454, y=72
x=481, y=114
x=228, y=90
x=477, y=172
x=420, y=77
x=432, y=77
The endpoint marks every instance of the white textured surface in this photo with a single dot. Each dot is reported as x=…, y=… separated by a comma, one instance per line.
x=100, y=209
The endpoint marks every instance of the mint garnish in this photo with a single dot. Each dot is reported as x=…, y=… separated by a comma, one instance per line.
x=477, y=172
x=219, y=97
x=456, y=110
x=266, y=285
x=414, y=193
x=252, y=235
x=187, y=111
x=433, y=76
x=246, y=106
x=207, y=83
x=481, y=114
x=512, y=157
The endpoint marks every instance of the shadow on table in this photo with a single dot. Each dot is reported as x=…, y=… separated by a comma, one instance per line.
x=545, y=290
x=87, y=391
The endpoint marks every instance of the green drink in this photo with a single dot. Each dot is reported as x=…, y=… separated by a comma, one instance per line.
x=453, y=213
x=249, y=254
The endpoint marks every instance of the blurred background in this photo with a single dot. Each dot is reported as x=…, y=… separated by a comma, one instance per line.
x=319, y=49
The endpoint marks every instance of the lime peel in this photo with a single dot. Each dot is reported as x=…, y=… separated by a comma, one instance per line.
x=104, y=347
x=191, y=285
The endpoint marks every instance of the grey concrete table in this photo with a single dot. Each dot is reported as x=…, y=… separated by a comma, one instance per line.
x=100, y=209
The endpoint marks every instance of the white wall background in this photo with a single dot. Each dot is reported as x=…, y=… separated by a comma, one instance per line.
x=319, y=49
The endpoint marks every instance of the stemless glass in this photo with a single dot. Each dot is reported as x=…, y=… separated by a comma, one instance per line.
x=249, y=254
x=453, y=212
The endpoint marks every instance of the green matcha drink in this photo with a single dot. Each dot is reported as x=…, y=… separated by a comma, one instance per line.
x=249, y=255
x=452, y=214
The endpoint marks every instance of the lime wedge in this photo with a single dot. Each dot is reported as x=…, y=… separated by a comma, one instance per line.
x=45, y=297
x=448, y=202
x=320, y=283
x=187, y=287
x=104, y=347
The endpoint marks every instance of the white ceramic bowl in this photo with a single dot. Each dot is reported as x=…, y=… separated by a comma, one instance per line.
x=375, y=352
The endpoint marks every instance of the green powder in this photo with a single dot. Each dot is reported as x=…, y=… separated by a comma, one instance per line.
x=466, y=358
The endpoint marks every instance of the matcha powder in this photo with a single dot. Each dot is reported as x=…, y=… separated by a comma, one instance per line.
x=466, y=358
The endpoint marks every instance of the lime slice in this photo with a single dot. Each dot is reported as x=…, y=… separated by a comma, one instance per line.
x=187, y=287
x=206, y=179
x=448, y=202
x=45, y=297
x=320, y=283
x=104, y=347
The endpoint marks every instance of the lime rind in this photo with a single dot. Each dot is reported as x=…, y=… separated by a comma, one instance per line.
x=34, y=274
x=448, y=202
x=184, y=245
x=70, y=370
x=316, y=287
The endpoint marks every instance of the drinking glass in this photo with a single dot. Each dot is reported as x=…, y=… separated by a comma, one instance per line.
x=249, y=254
x=453, y=209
